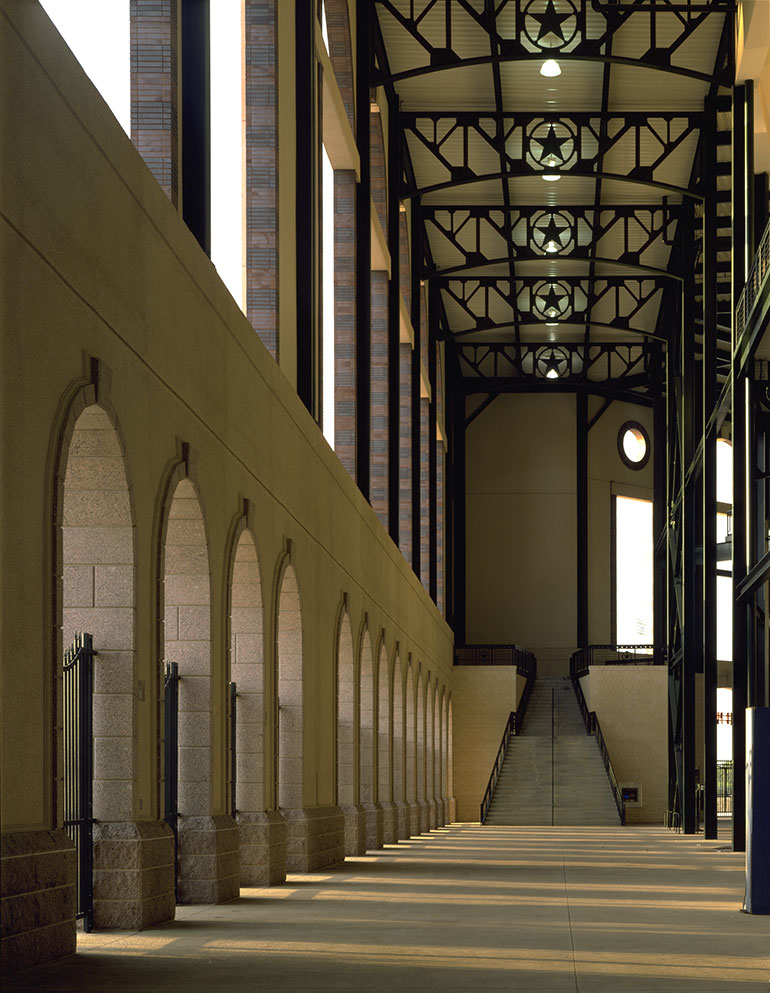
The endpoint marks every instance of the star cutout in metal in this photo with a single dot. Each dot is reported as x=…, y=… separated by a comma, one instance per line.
x=551, y=146
x=550, y=22
x=551, y=232
x=551, y=302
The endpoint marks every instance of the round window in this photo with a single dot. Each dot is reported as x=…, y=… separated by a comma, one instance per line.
x=634, y=445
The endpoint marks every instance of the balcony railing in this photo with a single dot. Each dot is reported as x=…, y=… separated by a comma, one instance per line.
x=614, y=655
x=496, y=655
x=753, y=286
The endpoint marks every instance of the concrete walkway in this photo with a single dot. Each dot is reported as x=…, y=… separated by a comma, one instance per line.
x=466, y=909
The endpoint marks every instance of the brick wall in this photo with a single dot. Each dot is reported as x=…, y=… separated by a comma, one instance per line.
x=345, y=318
x=261, y=171
x=155, y=90
x=379, y=402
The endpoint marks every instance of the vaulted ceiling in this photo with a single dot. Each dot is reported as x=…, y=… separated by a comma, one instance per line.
x=560, y=213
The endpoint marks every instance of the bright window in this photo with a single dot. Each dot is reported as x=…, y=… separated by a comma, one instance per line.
x=633, y=571
x=327, y=289
x=99, y=34
x=227, y=146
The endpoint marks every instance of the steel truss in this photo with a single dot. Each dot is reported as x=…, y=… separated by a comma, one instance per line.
x=481, y=300
x=521, y=30
x=610, y=369
x=529, y=144
x=481, y=236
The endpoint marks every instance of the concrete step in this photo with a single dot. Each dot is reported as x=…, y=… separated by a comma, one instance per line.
x=553, y=772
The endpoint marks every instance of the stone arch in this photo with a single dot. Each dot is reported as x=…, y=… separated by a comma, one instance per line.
x=289, y=689
x=94, y=569
x=421, y=743
x=397, y=710
x=437, y=755
x=444, y=747
x=430, y=754
x=207, y=866
x=346, y=701
x=246, y=655
x=411, y=744
x=366, y=734
x=449, y=762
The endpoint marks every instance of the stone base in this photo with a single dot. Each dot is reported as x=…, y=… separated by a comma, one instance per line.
x=208, y=859
x=373, y=825
x=133, y=875
x=440, y=818
x=432, y=818
x=355, y=828
x=263, y=848
x=315, y=837
x=389, y=812
x=402, y=822
x=450, y=809
x=37, y=898
x=415, y=818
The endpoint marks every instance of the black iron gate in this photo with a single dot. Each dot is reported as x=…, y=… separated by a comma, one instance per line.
x=78, y=754
x=724, y=786
x=171, y=757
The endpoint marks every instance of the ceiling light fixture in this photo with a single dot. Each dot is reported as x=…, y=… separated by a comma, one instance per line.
x=550, y=68
x=551, y=177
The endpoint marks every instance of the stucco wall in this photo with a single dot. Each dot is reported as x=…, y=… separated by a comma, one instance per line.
x=484, y=697
x=630, y=703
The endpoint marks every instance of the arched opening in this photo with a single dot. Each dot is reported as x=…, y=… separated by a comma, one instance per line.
x=203, y=875
x=288, y=772
x=399, y=797
x=449, y=773
x=411, y=751
x=97, y=597
x=445, y=753
x=437, y=756
x=366, y=723
x=247, y=672
x=430, y=781
x=346, y=780
x=355, y=826
x=420, y=751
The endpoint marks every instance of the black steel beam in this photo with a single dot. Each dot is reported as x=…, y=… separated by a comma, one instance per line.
x=581, y=402
x=709, y=473
x=394, y=321
x=416, y=291
x=432, y=467
x=457, y=468
x=196, y=120
x=307, y=226
x=692, y=589
x=740, y=610
x=363, y=251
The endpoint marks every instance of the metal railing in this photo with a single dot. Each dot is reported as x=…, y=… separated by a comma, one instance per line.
x=753, y=286
x=513, y=726
x=495, y=655
x=171, y=757
x=78, y=754
x=581, y=660
x=593, y=727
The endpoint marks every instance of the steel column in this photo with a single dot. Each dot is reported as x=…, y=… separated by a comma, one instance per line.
x=692, y=601
x=740, y=612
x=581, y=402
x=363, y=250
x=458, y=495
x=709, y=469
x=432, y=469
x=308, y=152
x=394, y=320
x=196, y=120
x=416, y=290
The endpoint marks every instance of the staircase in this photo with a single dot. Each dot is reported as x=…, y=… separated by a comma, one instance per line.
x=553, y=772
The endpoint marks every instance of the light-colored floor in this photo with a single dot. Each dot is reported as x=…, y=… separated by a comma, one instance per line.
x=466, y=909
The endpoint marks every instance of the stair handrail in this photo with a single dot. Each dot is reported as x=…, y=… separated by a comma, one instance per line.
x=513, y=726
x=593, y=727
